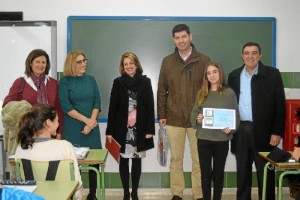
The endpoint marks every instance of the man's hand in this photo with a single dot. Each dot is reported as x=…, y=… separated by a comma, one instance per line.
x=162, y=122
x=275, y=140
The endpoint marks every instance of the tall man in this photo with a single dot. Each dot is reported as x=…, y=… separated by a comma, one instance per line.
x=180, y=79
x=260, y=93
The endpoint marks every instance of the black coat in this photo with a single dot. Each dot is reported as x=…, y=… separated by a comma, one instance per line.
x=118, y=113
x=268, y=104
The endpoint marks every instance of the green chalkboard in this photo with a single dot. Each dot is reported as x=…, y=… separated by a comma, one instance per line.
x=105, y=39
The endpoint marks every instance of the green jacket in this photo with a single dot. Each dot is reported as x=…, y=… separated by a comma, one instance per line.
x=178, y=85
x=11, y=114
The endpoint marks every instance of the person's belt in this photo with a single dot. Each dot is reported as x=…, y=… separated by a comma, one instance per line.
x=246, y=122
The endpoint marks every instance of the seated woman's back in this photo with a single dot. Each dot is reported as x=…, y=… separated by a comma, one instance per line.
x=35, y=142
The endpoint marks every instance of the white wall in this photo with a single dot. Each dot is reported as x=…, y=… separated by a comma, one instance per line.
x=286, y=12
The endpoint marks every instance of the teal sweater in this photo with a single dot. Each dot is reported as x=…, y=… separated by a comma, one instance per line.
x=226, y=100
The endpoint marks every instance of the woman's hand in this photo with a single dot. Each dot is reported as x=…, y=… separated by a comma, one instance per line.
x=200, y=118
x=92, y=123
x=149, y=136
x=226, y=130
x=86, y=130
x=296, y=153
x=108, y=138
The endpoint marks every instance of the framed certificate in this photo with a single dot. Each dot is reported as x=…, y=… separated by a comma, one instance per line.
x=215, y=118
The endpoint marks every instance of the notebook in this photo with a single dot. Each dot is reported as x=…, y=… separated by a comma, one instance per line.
x=81, y=152
x=113, y=148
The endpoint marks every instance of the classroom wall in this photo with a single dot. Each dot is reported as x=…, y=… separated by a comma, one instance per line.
x=286, y=12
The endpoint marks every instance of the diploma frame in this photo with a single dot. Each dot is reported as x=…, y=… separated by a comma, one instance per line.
x=215, y=118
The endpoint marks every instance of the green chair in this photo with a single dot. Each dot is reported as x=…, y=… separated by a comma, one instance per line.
x=58, y=170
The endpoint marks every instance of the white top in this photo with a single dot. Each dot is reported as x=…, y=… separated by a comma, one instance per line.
x=52, y=150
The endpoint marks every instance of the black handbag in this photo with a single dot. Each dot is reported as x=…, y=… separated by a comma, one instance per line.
x=279, y=155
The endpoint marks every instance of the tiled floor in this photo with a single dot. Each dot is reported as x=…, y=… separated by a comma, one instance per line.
x=164, y=194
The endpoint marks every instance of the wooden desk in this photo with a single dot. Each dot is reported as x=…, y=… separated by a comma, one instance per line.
x=95, y=157
x=287, y=167
x=59, y=190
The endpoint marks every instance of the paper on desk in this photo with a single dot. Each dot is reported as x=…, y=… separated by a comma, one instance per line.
x=81, y=152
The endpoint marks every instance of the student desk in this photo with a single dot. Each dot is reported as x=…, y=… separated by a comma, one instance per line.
x=95, y=157
x=287, y=168
x=63, y=190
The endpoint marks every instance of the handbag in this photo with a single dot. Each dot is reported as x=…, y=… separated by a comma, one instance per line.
x=279, y=155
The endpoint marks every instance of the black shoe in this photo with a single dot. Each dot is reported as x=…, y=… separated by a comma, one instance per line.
x=134, y=196
x=200, y=199
x=126, y=196
x=175, y=197
x=91, y=197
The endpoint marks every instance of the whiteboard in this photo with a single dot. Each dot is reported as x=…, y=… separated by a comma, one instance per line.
x=17, y=40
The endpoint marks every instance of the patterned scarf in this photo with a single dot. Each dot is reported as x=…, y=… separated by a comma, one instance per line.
x=39, y=82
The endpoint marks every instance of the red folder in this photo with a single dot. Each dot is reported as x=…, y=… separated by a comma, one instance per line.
x=113, y=148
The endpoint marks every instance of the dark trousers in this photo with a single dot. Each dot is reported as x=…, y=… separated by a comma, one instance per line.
x=136, y=168
x=212, y=158
x=246, y=154
x=93, y=180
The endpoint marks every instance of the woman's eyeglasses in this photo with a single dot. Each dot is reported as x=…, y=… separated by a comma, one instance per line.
x=82, y=61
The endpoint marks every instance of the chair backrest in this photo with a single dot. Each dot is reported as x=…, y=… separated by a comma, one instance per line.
x=65, y=170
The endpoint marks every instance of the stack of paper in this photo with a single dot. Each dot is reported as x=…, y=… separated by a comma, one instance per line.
x=81, y=152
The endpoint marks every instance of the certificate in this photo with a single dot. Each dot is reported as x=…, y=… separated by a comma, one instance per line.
x=215, y=118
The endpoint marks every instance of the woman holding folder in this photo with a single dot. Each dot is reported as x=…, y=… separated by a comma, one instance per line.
x=213, y=144
x=131, y=120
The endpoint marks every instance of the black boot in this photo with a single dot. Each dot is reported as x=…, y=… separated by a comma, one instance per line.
x=124, y=174
x=134, y=196
x=126, y=196
x=135, y=177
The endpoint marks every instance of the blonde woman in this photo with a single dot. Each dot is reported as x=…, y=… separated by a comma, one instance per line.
x=80, y=101
x=213, y=144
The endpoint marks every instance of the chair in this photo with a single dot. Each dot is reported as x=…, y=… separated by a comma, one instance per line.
x=60, y=170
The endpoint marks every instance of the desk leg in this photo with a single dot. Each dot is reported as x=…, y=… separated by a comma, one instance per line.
x=279, y=193
x=86, y=167
x=102, y=182
x=265, y=180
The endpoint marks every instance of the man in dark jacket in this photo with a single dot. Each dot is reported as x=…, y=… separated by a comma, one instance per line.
x=180, y=78
x=261, y=98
